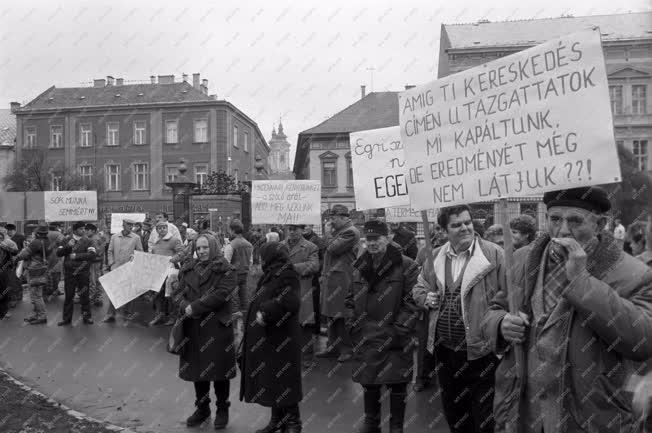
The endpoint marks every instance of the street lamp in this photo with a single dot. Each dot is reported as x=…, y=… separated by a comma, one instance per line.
x=182, y=187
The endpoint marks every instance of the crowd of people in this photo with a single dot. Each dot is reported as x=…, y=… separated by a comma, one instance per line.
x=549, y=349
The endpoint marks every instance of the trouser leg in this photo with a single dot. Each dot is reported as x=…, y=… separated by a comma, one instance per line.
x=425, y=359
x=308, y=342
x=82, y=283
x=482, y=392
x=68, y=301
x=202, y=390
x=242, y=293
x=222, y=390
x=397, y=406
x=343, y=340
x=36, y=296
x=455, y=396
x=316, y=304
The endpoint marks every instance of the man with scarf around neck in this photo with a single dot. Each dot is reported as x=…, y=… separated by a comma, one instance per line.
x=383, y=318
x=584, y=323
x=203, y=295
x=341, y=252
x=456, y=285
x=304, y=255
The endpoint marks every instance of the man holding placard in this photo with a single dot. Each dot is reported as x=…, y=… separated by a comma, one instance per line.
x=456, y=284
x=584, y=318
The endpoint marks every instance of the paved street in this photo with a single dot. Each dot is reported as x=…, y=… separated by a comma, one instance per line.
x=123, y=375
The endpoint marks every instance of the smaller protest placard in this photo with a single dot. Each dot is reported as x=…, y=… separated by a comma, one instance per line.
x=70, y=205
x=404, y=214
x=286, y=202
x=116, y=220
x=150, y=270
x=119, y=287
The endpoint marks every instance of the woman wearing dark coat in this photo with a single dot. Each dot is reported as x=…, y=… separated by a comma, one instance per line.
x=205, y=287
x=271, y=348
x=384, y=317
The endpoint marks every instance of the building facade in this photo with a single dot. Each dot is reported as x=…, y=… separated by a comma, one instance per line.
x=127, y=140
x=7, y=142
x=279, y=155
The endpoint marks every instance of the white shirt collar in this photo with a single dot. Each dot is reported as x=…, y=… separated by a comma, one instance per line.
x=468, y=251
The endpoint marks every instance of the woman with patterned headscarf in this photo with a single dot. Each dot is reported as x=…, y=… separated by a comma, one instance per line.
x=206, y=284
x=271, y=349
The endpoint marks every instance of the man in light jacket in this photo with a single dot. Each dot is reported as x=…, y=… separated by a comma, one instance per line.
x=456, y=284
x=121, y=251
x=172, y=229
x=584, y=322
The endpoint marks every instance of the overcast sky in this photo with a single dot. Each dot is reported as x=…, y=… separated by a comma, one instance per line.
x=302, y=61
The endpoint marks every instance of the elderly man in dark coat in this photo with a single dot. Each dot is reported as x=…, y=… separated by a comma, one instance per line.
x=204, y=296
x=271, y=348
x=382, y=324
x=304, y=256
x=340, y=254
x=584, y=321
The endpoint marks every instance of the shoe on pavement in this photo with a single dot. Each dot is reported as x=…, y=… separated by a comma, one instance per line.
x=64, y=323
x=29, y=318
x=108, y=319
x=222, y=416
x=345, y=357
x=36, y=321
x=88, y=321
x=332, y=353
x=199, y=416
x=158, y=320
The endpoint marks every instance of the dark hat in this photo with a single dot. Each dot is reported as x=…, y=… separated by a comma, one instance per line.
x=301, y=226
x=339, y=209
x=42, y=229
x=90, y=226
x=10, y=226
x=79, y=225
x=128, y=221
x=375, y=228
x=592, y=198
x=147, y=222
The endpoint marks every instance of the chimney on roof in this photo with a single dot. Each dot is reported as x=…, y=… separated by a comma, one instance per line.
x=109, y=80
x=166, y=79
x=195, y=81
x=152, y=79
x=204, y=86
x=14, y=106
x=184, y=77
x=214, y=97
x=409, y=86
x=119, y=81
x=100, y=82
x=363, y=91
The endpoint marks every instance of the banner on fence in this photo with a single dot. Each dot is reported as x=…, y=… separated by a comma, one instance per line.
x=286, y=202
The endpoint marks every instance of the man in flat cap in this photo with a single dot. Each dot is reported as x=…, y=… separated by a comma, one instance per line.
x=304, y=255
x=584, y=321
x=121, y=250
x=79, y=253
x=341, y=252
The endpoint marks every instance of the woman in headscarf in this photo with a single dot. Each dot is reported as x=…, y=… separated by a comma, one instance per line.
x=271, y=349
x=204, y=295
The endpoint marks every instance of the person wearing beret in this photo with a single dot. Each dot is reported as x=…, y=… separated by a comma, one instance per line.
x=79, y=253
x=382, y=323
x=341, y=252
x=584, y=321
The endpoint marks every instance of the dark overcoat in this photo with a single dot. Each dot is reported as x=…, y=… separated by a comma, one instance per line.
x=209, y=354
x=271, y=354
x=384, y=318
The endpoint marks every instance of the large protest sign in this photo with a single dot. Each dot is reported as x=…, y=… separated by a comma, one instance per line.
x=70, y=205
x=535, y=121
x=116, y=220
x=286, y=202
x=151, y=270
x=119, y=287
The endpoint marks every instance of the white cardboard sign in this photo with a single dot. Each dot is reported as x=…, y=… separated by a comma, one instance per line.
x=70, y=205
x=286, y=202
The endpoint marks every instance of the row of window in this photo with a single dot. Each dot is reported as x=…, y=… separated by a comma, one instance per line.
x=139, y=134
x=329, y=173
x=639, y=99
x=140, y=179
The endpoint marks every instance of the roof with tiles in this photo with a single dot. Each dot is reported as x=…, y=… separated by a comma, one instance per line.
x=7, y=128
x=116, y=95
x=376, y=110
x=530, y=32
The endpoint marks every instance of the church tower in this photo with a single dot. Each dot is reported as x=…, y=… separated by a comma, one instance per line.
x=279, y=155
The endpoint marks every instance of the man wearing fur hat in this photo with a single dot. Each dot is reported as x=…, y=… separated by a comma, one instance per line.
x=79, y=253
x=584, y=321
